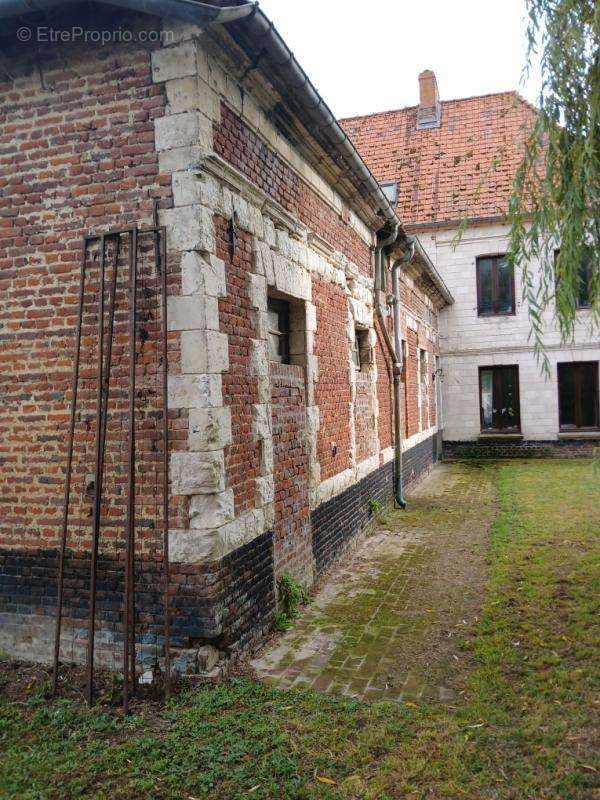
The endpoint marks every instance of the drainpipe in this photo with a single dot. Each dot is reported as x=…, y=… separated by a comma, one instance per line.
x=396, y=356
x=405, y=258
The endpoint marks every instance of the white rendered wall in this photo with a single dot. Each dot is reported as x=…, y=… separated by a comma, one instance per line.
x=468, y=341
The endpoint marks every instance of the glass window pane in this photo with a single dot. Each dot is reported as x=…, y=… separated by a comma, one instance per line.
x=566, y=394
x=508, y=409
x=589, y=397
x=487, y=398
x=484, y=267
x=504, y=302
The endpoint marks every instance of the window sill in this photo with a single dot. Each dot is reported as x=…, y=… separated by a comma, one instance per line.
x=495, y=315
x=579, y=435
x=503, y=436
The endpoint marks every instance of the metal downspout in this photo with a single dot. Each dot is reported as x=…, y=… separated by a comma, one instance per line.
x=406, y=258
x=396, y=356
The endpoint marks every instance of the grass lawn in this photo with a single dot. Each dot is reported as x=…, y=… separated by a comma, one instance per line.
x=528, y=728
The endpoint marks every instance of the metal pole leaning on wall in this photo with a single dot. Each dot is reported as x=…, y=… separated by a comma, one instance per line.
x=70, y=438
x=104, y=378
x=97, y=480
x=129, y=622
x=162, y=250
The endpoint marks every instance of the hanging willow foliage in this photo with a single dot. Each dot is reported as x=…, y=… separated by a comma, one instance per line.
x=554, y=210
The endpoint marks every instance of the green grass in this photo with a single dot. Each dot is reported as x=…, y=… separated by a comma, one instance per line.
x=526, y=731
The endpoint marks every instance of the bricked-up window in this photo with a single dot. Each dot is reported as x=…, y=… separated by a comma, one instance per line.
x=495, y=286
x=584, y=291
x=361, y=350
x=578, y=395
x=499, y=399
x=423, y=392
x=279, y=330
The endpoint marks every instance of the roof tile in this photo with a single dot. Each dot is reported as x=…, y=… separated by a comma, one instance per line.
x=463, y=168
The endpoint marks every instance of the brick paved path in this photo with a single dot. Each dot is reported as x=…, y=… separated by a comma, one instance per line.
x=394, y=622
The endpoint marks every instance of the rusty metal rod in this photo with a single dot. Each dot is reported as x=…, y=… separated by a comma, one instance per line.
x=107, y=363
x=165, y=369
x=98, y=479
x=71, y=435
x=129, y=623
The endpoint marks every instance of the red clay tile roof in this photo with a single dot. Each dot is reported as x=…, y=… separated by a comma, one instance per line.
x=463, y=168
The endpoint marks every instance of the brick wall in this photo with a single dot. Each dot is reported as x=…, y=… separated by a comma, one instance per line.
x=229, y=602
x=567, y=448
x=385, y=419
x=78, y=160
x=240, y=388
x=333, y=390
x=239, y=145
x=364, y=415
x=411, y=384
x=292, y=535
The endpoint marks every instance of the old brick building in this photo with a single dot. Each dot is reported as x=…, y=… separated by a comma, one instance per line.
x=279, y=380
x=454, y=161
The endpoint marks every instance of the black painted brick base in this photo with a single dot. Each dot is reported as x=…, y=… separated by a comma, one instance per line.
x=227, y=602
x=338, y=521
x=496, y=448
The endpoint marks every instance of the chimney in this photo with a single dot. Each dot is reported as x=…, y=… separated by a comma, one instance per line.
x=428, y=115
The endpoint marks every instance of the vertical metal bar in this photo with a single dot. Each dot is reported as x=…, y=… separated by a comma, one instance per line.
x=65, y=521
x=165, y=489
x=106, y=373
x=129, y=625
x=98, y=488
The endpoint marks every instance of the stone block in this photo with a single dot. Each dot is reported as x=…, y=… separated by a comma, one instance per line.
x=192, y=312
x=174, y=62
x=211, y=510
x=194, y=546
x=261, y=421
x=183, y=130
x=209, y=428
x=291, y=279
x=186, y=313
x=189, y=228
x=195, y=391
x=262, y=324
x=257, y=291
x=259, y=358
x=204, y=351
x=197, y=473
x=181, y=158
x=187, y=189
x=265, y=490
x=202, y=274
x=266, y=457
x=264, y=392
x=182, y=94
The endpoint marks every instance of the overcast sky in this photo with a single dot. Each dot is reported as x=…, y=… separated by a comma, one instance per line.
x=365, y=56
